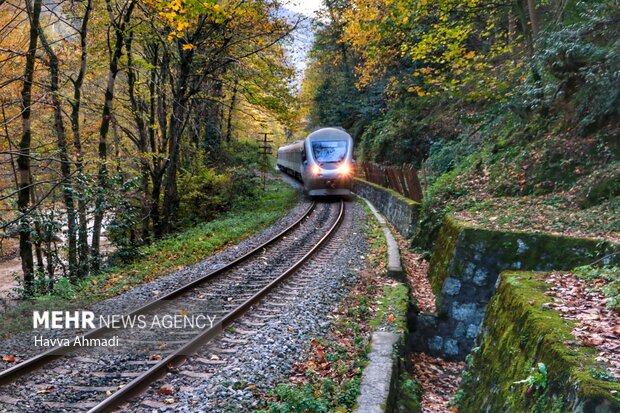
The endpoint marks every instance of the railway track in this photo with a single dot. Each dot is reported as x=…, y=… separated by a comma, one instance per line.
x=84, y=381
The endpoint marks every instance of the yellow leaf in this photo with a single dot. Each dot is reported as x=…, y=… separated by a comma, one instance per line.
x=188, y=46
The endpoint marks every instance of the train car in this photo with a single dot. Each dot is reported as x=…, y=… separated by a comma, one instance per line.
x=323, y=162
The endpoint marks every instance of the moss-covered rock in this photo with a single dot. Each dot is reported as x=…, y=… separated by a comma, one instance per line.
x=460, y=243
x=463, y=273
x=523, y=363
x=444, y=252
x=401, y=211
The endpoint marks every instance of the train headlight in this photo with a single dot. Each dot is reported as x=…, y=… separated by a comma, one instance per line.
x=316, y=170
x=344, y=169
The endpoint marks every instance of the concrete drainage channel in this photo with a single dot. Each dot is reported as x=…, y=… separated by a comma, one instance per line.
x=380, y=377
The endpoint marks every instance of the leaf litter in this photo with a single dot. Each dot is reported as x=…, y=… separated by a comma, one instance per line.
x=597, y=324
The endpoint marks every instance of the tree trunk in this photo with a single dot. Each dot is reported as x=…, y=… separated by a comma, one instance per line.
x=38, y=234
x=155, y=195
x=159, y=103
x=65, y=167
x=525, y=26
x=23, y=160
x=230, y=111
x=138, y=107
x=511, y=27
x=175, y=130
x=531, y=6
x=106, y=116
x=82, y=243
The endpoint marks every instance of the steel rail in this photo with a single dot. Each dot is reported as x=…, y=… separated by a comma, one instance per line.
x=178, y=357
x=11, y=374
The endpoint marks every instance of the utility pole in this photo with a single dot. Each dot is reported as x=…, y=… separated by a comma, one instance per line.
x=265, y=150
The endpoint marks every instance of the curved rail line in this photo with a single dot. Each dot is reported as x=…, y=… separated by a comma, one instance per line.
x=13, y=373
x=178, y=357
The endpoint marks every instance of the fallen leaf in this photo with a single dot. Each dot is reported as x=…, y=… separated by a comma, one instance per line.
x=46, y=390
x=167, y=390
x=8, y=359
x=169, y=401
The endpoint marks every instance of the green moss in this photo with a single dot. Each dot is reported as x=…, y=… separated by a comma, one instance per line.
x=461, y=242
x=409, y=202
x=394, y=300
x=444, y=252
x=534, y=251
x=518, y=333
x=409, y=395
x=375, y=238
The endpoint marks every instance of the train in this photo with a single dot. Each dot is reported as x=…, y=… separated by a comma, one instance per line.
x=323, y=162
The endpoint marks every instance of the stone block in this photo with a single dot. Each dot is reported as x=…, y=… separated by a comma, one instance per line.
x=480, y=277
x=463, y=311
x=435, y=343
x=451, y=286
x=451, y=347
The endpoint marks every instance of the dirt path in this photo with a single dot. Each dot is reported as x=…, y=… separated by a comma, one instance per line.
x=8, y=282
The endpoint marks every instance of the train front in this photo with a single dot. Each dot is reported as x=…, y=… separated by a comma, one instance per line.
x=328, y=164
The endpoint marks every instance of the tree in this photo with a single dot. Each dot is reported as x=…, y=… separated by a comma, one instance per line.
x=23, y=160
x=119, y=24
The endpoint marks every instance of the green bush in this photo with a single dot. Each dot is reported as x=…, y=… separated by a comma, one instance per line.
x=404, y=132
x=123, y=230
x=204, y=194
x=578, y=67
x=600, y=186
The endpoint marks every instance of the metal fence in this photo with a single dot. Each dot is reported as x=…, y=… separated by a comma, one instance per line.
x=403, y=179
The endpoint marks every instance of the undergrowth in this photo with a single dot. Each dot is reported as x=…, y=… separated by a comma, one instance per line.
x=160, y=258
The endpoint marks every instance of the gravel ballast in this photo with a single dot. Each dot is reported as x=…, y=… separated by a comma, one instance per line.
x=244, y=361
x=266, y=357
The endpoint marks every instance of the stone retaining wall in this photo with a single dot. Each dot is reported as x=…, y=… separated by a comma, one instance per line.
x=522, y=339
x=400, y=211
x=464, y=269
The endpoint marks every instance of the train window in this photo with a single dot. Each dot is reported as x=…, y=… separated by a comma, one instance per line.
x=329, y=151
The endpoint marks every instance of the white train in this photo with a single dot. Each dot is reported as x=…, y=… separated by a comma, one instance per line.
x=323, y=162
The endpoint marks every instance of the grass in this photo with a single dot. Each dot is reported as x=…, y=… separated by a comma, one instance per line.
x=161, y=258
x=194, y=244
x=392, y=311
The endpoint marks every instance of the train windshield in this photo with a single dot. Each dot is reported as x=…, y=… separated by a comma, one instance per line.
x=329, y=151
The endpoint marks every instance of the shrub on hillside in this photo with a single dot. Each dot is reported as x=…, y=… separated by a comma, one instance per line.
x=204, y=194
x=578, y=68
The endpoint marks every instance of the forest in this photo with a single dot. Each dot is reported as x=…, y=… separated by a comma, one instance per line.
x=509, y=109
x=139, y=118
x=131, y=118
x=131, y=163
